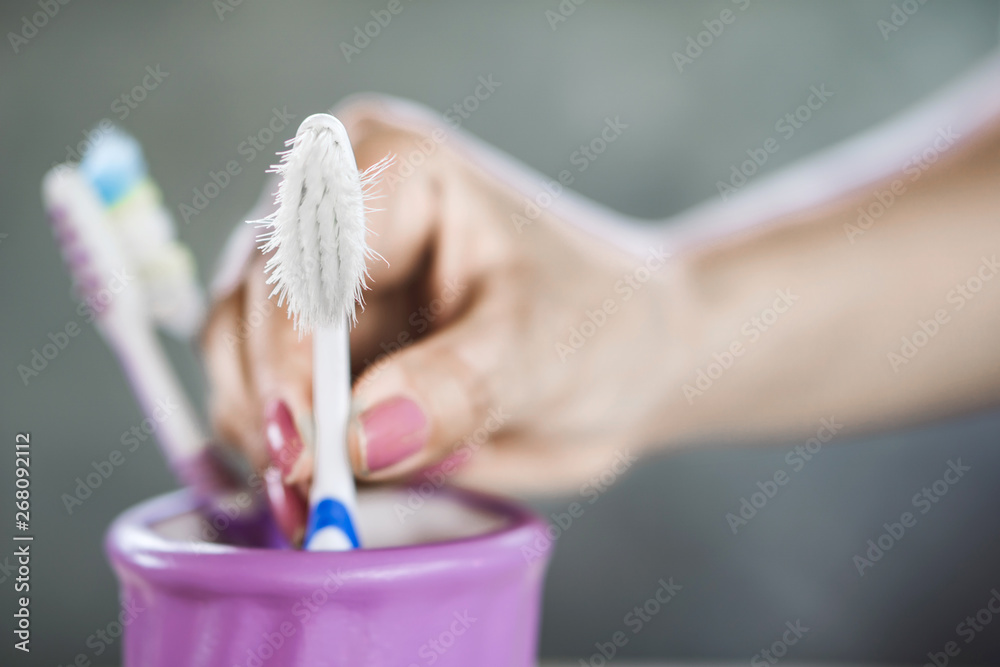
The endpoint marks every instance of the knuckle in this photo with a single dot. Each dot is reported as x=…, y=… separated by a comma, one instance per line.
x=466, y=383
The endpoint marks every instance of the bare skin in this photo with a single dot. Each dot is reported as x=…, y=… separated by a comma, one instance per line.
x=815, y=311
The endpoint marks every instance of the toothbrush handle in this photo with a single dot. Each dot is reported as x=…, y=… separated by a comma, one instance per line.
x=163, y=399
x=177, y=427
x=332, y=499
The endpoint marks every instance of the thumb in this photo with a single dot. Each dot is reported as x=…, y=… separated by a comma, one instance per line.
x=410, y=410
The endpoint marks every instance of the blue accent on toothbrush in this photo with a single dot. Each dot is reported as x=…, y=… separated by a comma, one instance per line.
x=330, y=512
x=114, y=165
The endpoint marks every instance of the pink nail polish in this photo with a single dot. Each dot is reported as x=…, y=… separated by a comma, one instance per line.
x=393, y=430
x=283, y=439
x=285, y=446
x=287, y=506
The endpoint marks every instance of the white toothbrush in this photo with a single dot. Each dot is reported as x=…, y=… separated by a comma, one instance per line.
x=146, y=231
x=94, y=255
x=318, y=268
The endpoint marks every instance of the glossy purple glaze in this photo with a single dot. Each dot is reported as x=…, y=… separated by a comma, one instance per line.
x=466, y=602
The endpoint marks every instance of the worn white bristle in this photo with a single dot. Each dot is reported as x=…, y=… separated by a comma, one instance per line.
x=318, y=232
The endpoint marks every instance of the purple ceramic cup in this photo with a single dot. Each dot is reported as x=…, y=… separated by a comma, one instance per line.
x=450, y=580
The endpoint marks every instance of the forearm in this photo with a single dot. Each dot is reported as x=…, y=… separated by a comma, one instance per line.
x=823, y=312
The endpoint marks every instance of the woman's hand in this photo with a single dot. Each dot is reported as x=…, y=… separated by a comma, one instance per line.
x=519, y=357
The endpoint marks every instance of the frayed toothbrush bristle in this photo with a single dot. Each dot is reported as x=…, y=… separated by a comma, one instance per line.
x=317, y=235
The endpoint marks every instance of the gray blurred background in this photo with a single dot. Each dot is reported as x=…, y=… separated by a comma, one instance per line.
x=666, y=519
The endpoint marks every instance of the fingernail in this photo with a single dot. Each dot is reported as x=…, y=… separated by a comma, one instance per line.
x=283, y=440
x=287, y=506
x=284, y=444
x=391, y=431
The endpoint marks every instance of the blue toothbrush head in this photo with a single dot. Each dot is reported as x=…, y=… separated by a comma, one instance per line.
x=114, y=165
